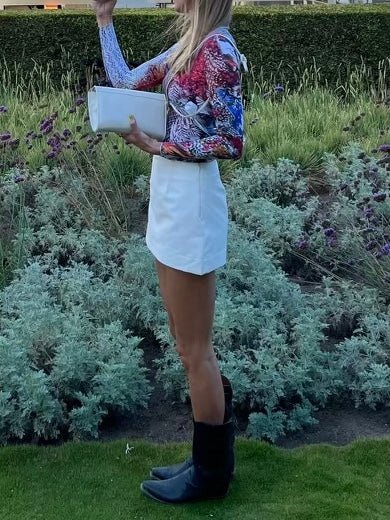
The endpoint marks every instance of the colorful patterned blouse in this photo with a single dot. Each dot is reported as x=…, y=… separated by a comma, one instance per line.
x=215, y=127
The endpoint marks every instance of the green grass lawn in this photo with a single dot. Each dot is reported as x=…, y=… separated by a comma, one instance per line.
x=96, y=480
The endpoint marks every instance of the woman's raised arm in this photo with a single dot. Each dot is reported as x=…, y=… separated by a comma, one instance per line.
x=147, y=75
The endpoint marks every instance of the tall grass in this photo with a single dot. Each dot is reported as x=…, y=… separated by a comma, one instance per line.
x=302, y=126
x=308, y=76
x=303, y=123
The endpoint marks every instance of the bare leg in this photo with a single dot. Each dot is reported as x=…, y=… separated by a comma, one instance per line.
x=190, y=302
x=161, y=272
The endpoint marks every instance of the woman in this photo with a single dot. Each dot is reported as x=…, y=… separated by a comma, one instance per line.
x=188, y=218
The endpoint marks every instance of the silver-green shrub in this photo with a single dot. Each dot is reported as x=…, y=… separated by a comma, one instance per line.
x=272, y=203
x=69, y=364
x=69, y=349
x=72, y=319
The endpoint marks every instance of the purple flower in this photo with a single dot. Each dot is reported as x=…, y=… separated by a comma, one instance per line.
x=79, y=101
x=302, y=243
x=4, y=136
x=66, y=132
x=52, y=154
x=384, y=148
x=3, y=109
x=53, y=141
x=379, y=197
x=279, y=88
x=14, y=143
x=329, y=232
x=45, y=123
x=18, y=178
x=47, y=129
x=368, y=212
x=385, y=249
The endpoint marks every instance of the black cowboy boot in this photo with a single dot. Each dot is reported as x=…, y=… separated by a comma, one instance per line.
x=208, y=476
x=165, y=472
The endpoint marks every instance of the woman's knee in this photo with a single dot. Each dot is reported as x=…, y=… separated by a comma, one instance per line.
x=194, y=356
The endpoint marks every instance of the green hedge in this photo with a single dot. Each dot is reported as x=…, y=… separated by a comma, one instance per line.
x=338, y=37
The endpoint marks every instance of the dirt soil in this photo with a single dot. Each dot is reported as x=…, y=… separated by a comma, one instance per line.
x=167, y=420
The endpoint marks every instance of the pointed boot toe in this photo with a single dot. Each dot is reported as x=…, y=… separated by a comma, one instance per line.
x=166, y=472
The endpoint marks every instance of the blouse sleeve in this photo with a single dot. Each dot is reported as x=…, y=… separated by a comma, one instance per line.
x=223, y=79
x=147, y=75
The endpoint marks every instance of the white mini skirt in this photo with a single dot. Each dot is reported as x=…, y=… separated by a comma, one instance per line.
x=188, y=215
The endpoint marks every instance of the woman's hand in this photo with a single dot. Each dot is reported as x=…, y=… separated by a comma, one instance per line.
x=138, y=138
x=103, y=10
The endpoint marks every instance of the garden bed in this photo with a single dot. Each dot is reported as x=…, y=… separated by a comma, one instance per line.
x=302, y=312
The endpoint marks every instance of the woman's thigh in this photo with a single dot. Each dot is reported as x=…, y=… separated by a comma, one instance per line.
x=190, y=299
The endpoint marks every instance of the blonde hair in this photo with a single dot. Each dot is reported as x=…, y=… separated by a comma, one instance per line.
x=192, y=26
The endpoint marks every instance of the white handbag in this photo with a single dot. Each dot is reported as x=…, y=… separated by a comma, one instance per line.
x=109, y=110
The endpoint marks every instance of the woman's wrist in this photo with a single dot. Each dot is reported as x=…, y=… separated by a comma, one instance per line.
x=145, y=143
x=103, y=20
x=153, y=147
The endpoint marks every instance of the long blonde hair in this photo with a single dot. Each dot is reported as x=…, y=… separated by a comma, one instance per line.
x=193, y=26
